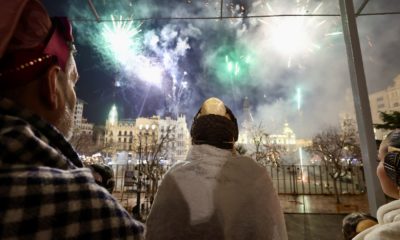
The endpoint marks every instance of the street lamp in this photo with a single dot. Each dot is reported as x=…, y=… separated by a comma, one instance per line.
x=136, y=210
x=143, y=131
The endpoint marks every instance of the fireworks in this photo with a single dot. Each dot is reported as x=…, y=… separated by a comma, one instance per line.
x=291, y=36
x=232, y=65
x=177, y=95
x=122, y=46
x=298, y=98
x=146, y=69
x=113, y=115
x=120, y=39
x=295, y=37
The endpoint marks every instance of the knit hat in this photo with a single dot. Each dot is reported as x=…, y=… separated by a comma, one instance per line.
x=30, y=41
x=214, y=124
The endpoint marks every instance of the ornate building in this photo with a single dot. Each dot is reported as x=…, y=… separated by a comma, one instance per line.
x=287, y=138
x=248, y=131
x=179, y=134
x=167, y=137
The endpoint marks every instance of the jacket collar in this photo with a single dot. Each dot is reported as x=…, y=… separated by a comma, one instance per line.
x=42, y=133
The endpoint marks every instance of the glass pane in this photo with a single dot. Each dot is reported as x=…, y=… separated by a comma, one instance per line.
x=159, y=9
x=379, y=6
x=140, y=9
x=380, y=48
x=286, y=76
x=276, y=7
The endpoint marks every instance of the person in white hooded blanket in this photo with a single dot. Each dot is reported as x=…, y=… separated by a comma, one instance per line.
x=388, y=171
x=216, y=194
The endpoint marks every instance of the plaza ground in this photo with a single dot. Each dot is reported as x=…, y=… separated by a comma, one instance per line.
x=318, y=217
x=308, y=217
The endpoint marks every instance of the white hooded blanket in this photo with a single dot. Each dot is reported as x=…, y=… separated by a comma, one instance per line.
x=216, y=195
x=389, y=224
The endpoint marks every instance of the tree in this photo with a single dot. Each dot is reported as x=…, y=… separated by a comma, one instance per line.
x=265, y=152
x=390, y=120
x=334, y=146
x=240, y=149
x=153, y=153
x=85, y=144
x=151, y=150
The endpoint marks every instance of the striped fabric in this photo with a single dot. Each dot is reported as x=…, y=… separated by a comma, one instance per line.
x=44, y=191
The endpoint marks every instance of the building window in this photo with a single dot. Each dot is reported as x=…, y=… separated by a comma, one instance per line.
x=381, y=106
x=379, y=99
x=395, y=104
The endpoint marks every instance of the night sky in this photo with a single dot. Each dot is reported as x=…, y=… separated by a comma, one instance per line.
x=194, y=56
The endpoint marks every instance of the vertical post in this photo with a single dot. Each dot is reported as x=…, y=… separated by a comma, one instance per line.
x=222, y=7
x=93, y=8
x=361, y=102
x=139, y=181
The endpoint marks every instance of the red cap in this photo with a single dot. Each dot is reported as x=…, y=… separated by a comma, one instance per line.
x=32, y=42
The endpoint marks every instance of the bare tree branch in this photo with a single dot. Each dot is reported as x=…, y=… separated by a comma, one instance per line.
x=265, y=152
x=335, y=147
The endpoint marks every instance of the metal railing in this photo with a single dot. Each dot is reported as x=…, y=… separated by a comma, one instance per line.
x=315, y=179
x=287, y=179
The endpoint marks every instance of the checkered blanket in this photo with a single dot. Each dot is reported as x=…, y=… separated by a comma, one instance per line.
x=44, y=191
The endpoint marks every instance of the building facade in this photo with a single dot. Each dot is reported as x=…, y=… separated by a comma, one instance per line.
x=387, y=100
x=168, y=139
x=78, y=113
x=286, y=139
x=248, y=132
x=81, y=125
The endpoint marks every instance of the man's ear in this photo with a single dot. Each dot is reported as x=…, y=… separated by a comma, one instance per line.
x=49, y=87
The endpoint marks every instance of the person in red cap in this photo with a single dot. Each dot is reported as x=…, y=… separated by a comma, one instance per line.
x=216, y=194
x=45, y=193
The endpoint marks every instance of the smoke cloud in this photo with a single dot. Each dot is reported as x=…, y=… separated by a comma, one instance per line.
x=194, y=56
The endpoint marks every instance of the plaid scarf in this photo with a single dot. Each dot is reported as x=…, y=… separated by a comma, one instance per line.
x=44, y=191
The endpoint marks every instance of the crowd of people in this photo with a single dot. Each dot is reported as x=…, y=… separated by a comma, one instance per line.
x=47, y=193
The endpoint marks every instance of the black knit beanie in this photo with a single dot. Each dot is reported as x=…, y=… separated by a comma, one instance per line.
x=215, y=130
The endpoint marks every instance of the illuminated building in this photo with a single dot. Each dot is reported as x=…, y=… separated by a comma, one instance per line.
x=143, y=135
x=81, y=125
x=248, y=131
x=387, y=100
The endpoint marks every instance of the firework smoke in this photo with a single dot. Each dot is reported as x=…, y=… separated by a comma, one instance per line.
x=187, y=61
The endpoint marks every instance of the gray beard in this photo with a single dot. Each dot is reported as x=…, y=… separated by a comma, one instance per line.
x=65, y=123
